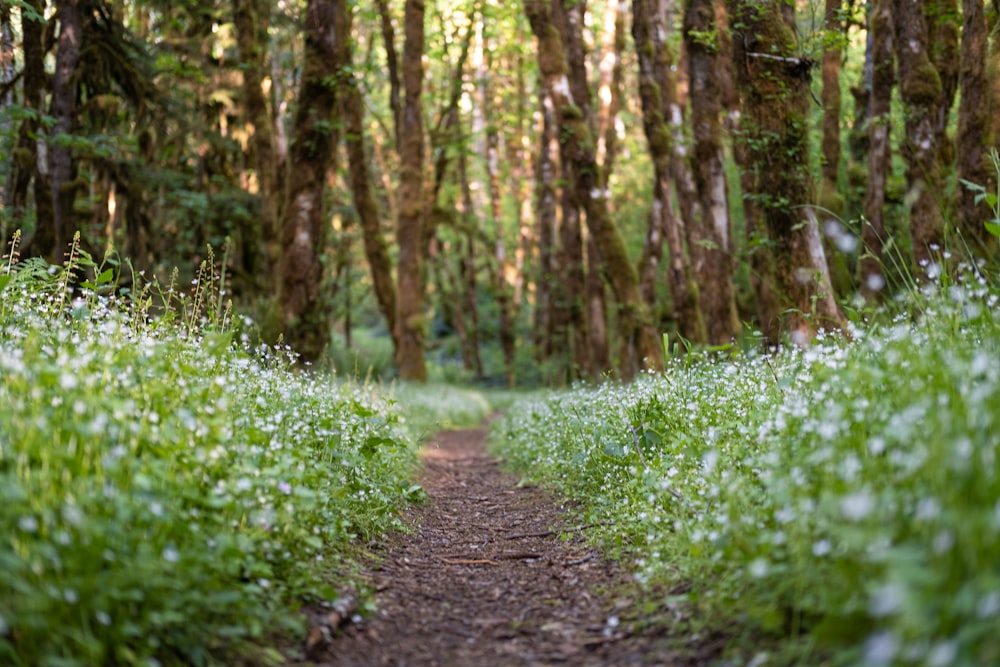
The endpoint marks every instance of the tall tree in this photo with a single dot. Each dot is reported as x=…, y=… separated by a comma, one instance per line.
x=718, y=302
x=63, y=111
x=774, y=84
x=975, y=127
x=410, y=321
x=655, y=83
x=304, y=315
x=873, y=235
x=640, y=342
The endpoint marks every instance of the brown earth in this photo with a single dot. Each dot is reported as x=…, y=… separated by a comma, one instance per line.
x=495, y=574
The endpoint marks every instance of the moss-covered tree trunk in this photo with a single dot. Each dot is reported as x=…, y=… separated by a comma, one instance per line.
x=251, y=19
x=410, y=322
x=640, y=341
x=63, y=112
x=376, y=248
x=713, y=229
x=975, y=129
x=648, y=32
x=923, y=93
x=304, y=314
x=774, y=83
x=873, y=235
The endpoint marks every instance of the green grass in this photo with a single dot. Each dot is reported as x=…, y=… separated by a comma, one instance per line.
x=839, y=505
x=168, y=494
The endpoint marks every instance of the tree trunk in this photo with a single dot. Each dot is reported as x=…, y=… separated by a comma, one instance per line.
x=654, y=83
x=545, y=281
x=873, y=236
x=640, y=341
x=922, y=92
x=392, y=62
x=470, y=290
x=975, y=130
x=774, y=84
x=376, y=248
x=718, y=301
x=410, y=320
x=251, y=18
x=63, y=111
x=304, y=315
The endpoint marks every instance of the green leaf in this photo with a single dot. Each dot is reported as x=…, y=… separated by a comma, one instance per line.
x=993, y=228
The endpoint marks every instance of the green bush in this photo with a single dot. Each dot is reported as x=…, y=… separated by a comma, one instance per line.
x=844, y=499
x=166, y=493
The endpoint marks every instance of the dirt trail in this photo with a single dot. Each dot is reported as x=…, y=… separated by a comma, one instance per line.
x=487, y=579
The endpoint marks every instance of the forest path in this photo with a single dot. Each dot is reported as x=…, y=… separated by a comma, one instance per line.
x=493, y=574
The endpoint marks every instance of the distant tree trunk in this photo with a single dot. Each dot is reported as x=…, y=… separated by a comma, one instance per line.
x=975, y=129
x=873, y=236
x=7, y=99
x=304, y=315
x=922, y=91
x=654, y=66
x=640, y=341
x=410, y=320
x=30, y=158
x=519, y=155
x=392, y=61
x=718, y=302
x=63, y=111
x=470, y=290
x=774, y=86
x=376, y=248
x=545, y=187
x=251, y=18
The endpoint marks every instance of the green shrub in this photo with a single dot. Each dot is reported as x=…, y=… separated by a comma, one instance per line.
x=844, y=499
x=166, y=493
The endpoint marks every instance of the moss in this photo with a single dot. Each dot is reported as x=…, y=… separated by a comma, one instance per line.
x=923, y=85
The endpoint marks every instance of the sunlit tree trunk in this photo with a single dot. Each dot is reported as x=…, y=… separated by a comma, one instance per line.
x=654, y=66
x=713, y=229
x=304, y=316
x=873, y=235
x=376, y=248
x=251, y=18
x=640, y=342
x=975, y=129
x=774, y=84
x=923, y=92
x=410, y=320
x=63, y=112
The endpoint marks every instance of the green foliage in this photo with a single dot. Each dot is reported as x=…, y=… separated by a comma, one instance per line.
x=843, y=501
x=167, y=492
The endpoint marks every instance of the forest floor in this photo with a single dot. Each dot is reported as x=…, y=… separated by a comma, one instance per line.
x=494, y=573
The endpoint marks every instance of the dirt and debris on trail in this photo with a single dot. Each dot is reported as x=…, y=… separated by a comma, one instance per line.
x=492, y=574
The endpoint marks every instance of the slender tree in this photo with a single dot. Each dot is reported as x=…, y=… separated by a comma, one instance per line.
x=410, y=320
x=774, y=82
x=640, y=342
x=304, y=315
x=975, y=128
x=873, y=234
x=718, y=302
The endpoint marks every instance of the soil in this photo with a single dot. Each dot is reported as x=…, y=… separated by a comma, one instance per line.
x=494, y=573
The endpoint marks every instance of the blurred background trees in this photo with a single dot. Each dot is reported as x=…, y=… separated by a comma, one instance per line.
x=517, y=193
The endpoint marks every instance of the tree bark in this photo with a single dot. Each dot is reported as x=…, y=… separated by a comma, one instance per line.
x=376, y=248
x=873, y=236
x=392, y=63
x=654, y=83
x=718, y=301
x=922, y=92
x=975, y=129
x=251, y=18
x=774, y=84
x=63, y=111
x=410, y=320
x=304, y=315
x=640, y=341
x=545, y=187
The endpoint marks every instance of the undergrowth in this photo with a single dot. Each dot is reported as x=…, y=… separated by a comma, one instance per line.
x=170, y=494
x=841, y=504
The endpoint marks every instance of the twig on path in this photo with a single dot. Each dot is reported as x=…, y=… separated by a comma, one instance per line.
x=548, y=533
x=580, y=561
x=469, y=561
